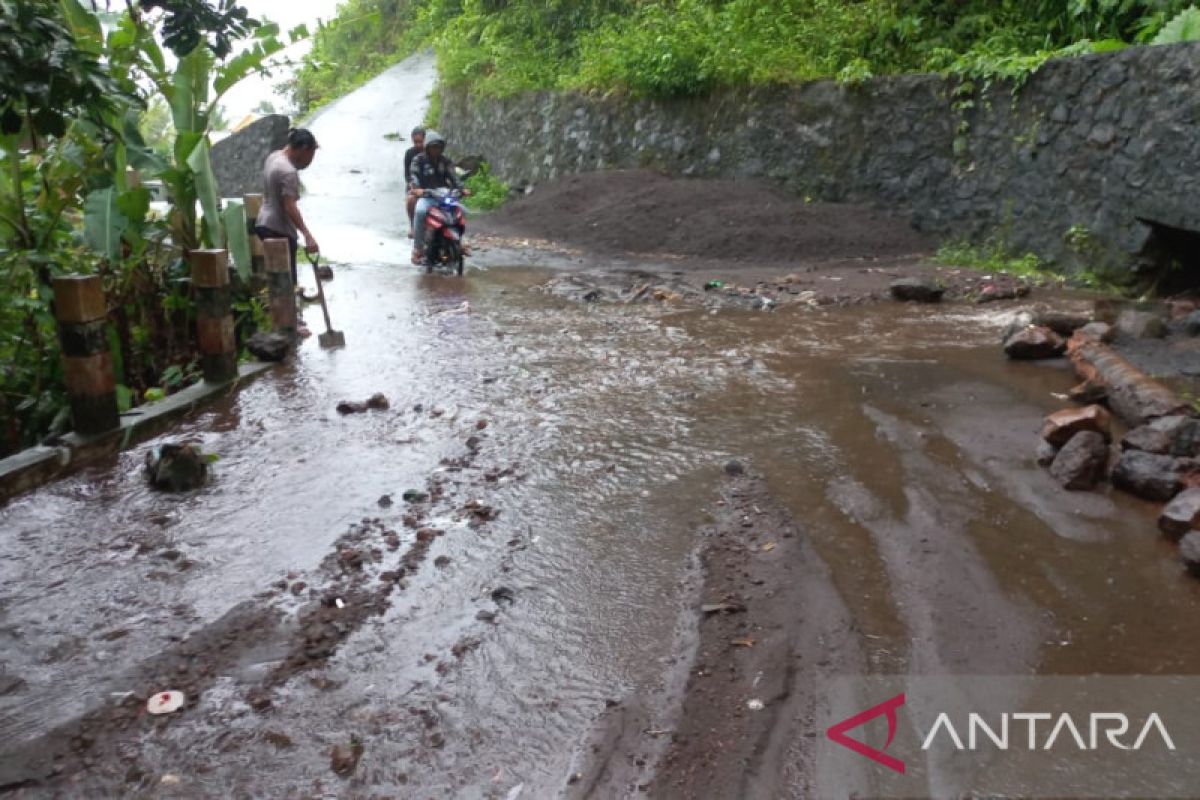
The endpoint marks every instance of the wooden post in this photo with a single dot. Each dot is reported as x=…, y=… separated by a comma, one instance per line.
x=87, y=361
x=253, y=204
x=279, y=280
x=214, y=315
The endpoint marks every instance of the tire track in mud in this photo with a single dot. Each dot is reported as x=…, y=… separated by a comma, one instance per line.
x=770, y=626
x=102, y=749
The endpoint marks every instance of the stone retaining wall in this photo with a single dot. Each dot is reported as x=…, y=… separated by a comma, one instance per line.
x=1068, y=167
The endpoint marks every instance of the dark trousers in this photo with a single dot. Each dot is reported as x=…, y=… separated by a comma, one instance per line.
x=293, y=247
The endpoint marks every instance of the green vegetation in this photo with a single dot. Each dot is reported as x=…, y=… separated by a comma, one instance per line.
x=487, y=191
x=991, y=256
x=78, y=101
x=684, y=47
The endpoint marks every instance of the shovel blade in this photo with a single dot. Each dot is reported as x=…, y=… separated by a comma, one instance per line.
x=331, y=339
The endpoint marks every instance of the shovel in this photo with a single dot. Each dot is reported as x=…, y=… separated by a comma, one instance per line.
x=330, y=338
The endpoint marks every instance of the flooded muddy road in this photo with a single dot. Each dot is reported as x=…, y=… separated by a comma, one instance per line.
x=528, y=622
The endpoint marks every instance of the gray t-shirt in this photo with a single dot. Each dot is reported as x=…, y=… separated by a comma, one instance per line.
x=280, y=180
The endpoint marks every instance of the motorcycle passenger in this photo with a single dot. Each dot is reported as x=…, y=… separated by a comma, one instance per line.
x=418, y=141
x=430, y=170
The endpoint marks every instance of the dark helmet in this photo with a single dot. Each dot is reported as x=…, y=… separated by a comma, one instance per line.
x=434, y=139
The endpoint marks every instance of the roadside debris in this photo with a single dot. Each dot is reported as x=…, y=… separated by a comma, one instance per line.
x=918, y=290
x=344, y=760
x=269, y=346
x=376, y=402
x=165, y=703
x=175, y=467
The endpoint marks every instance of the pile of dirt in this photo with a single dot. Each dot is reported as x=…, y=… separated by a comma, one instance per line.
x=640, y=212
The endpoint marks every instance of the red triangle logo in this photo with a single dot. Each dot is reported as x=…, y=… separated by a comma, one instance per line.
x=837, y=733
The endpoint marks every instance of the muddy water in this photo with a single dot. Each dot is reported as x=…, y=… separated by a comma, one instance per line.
x=899, y=438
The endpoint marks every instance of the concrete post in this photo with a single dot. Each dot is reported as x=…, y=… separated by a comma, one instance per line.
x=253, y=204
x=278, y=254
x=214, y=315
x=87, y=361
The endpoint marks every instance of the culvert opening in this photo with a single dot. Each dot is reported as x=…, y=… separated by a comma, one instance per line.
x=1171, y=258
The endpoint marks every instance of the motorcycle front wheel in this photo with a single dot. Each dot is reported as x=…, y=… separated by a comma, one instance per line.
x=454, y=255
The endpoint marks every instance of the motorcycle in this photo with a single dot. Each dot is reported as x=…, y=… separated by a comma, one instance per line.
x=445, y=225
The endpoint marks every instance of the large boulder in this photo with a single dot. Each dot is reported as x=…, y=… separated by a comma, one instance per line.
x=920, y=290
x=176, y=467
x=237, y=160
x=1148, y=475
x=1173, y=436
x=1181, y=515
x=1061, y=426
x=1189, y=552
x=1141, y=325
x=269, y=346
x=1080, y=465
x=1064, y=323
x=1034, y=343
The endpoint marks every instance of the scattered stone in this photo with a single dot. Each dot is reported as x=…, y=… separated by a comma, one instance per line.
x=919, y=290
x=1020, y=322
x=441, y=562
x=385, y=501
x=176, y=467
x=378, y=402
x=1173, y=436
x=415, y=496
x=1141, y=325
x=344, y=760
x=351, y=407
x=1189, y=552
x=298, y=587
x=351, y=558
x=425, y=535
x=473, y=443
x=1181, y=515
x=1098, y=331
x=280, y=740
x=1088, y=392
x=722, y=608
x=259, y=699
x=486, y=616
x=1080, y=465
x=992, y=292
x=503, y=594
x=734, y=467
x=1063, y=323
x=1147, y=475
x=1191, y=324
x=1034, y=343
x=1061, y=426
x=1046, y=453
x=481, y=424
x=269, y=346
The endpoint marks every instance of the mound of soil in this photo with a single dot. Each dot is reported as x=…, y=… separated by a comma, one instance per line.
x=640, y=212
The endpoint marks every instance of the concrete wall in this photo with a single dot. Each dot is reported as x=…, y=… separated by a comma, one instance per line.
x=1088, y=146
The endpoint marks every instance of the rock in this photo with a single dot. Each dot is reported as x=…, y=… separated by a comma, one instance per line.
x=1080, y=465
x=351, y=407
x=920, y=290
x=734, y=467
x=237, y=159
x=1098, y=331
x=269, y=346
x=378, y=402
x=176, y=467
x=1034, y=343
x=486, y=616
x=1088, y=392
x=1147, y=475
x=1181, y=515
x=324, y=272
x=441, y=562
x=1141, y=325
x=503, y=594
x=1191, y=324
x=344, y=760
x=1020, y=322
x=992, y=292
x=415, y=496
x=1174, y=436
x=1061, y=426
x=1189, y=552
x=1046, y=453
x=385, y=501
x=1061, y=322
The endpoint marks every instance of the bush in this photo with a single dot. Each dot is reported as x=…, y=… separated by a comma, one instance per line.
x=487, y=191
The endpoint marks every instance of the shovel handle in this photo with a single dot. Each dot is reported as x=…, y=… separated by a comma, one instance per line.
x=320, y=289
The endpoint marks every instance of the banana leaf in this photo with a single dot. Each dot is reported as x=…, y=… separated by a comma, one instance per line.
x=238, y=238
x=103, y=223
x=190, y=91
x=206, y=191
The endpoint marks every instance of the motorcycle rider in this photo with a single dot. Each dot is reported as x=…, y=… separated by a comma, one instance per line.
x=418, y=141
x=430, y=170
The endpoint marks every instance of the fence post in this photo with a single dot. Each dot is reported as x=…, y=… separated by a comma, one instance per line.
x=214, y=316
x=253, y=205
x=278, y=254
x=81, y=310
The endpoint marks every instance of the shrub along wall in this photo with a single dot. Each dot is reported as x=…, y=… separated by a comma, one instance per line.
x=1068, y=166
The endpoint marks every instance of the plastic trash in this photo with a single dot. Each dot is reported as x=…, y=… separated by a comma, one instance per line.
x=165, y=703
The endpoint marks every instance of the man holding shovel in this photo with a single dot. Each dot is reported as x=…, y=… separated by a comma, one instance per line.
x=280, y=217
